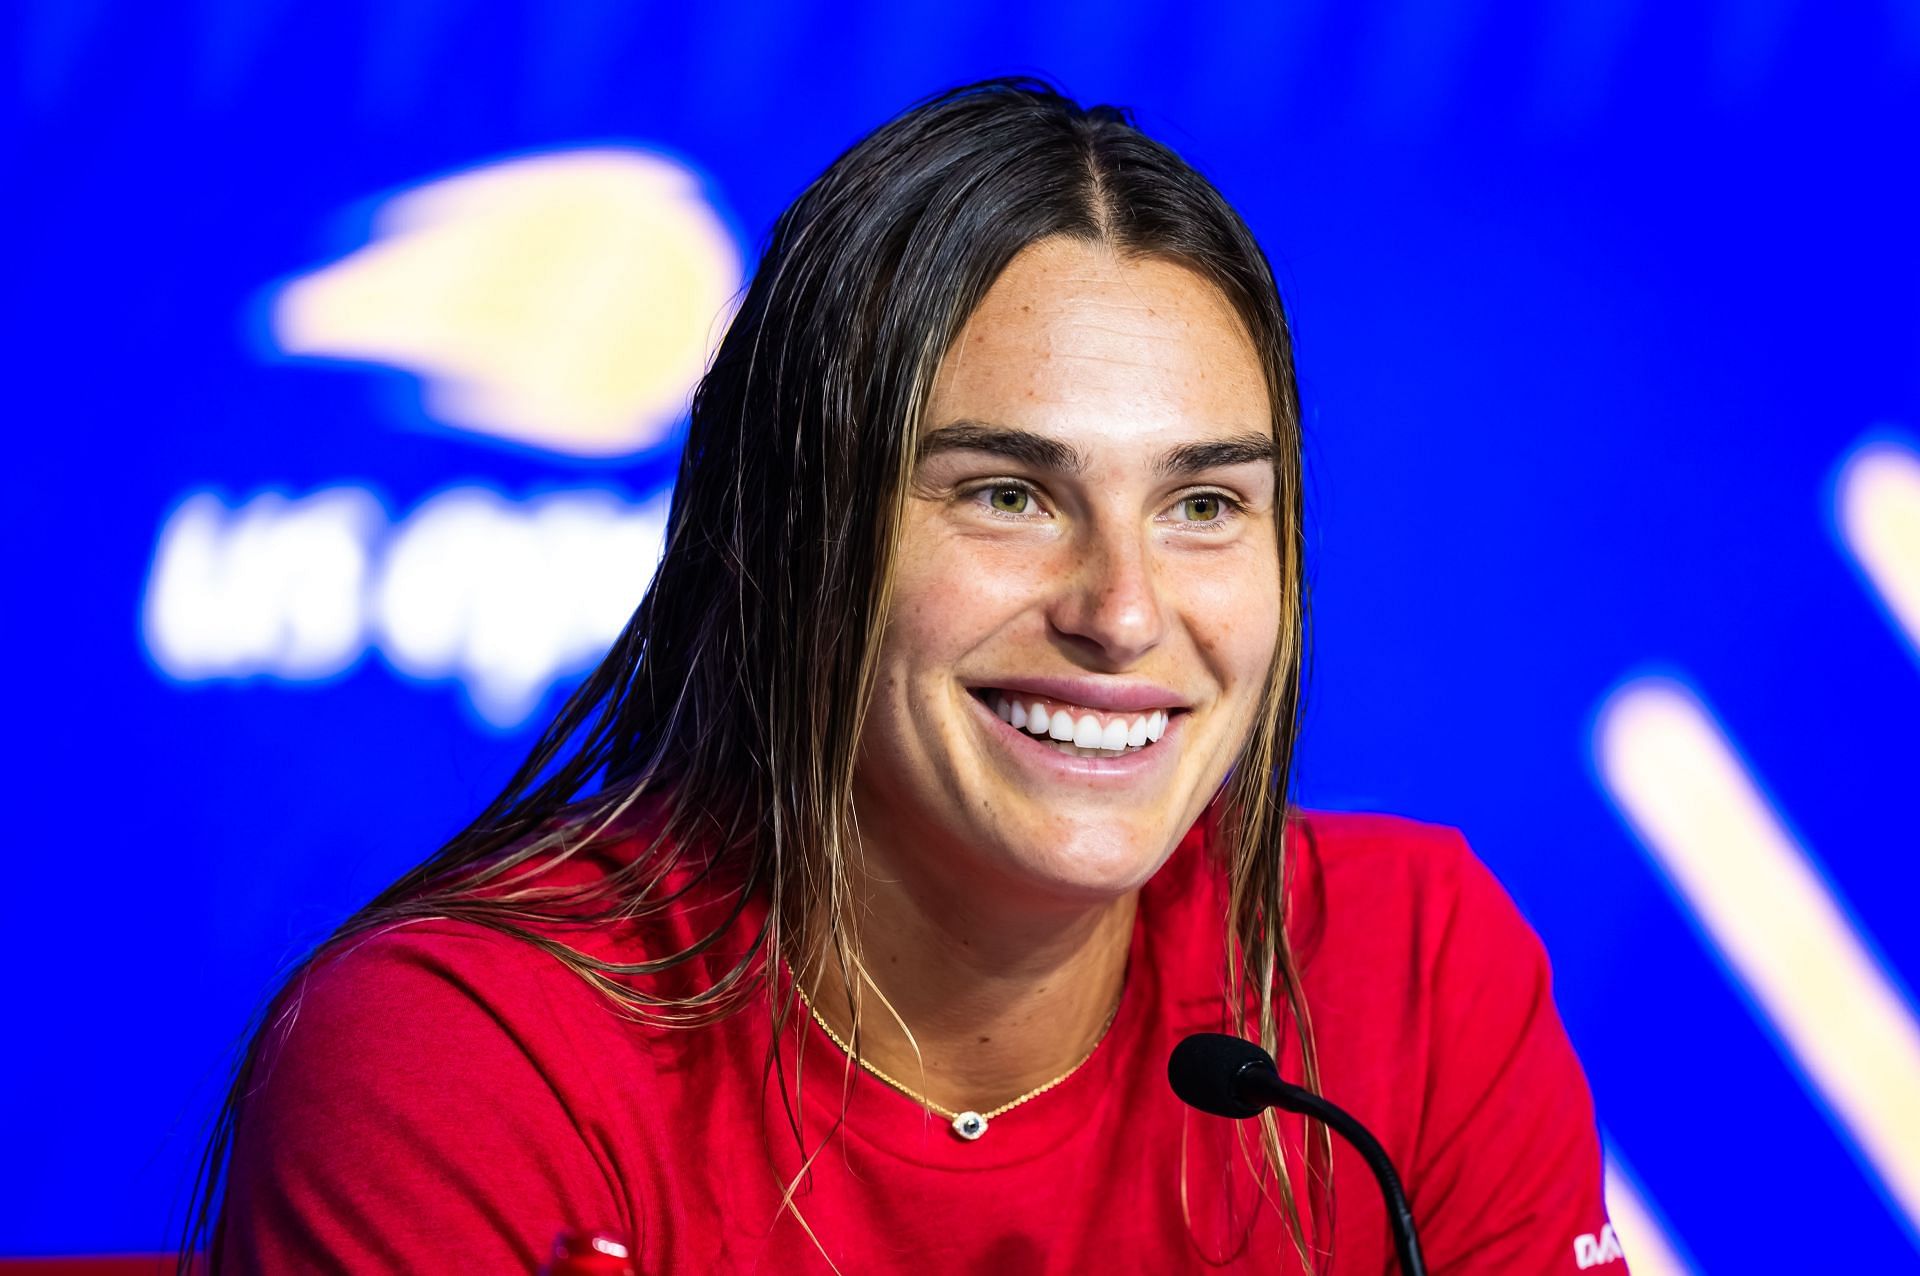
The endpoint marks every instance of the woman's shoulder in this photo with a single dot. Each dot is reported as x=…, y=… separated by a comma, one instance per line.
x=405, y=1017
x=402, y=968
x=1367, y=885
x=471, y=1052
x=521, y=955
x=417, y=1100
x=541, y=927
x=1413, y=951
x=1433, y=1004
x=1372, y=840
x=1375, y=877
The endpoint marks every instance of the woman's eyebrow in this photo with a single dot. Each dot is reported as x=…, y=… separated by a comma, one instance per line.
x=1025, y=446
x=1241, y=449
x=1041, y=452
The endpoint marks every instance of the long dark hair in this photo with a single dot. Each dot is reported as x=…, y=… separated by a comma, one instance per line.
x=734, y=698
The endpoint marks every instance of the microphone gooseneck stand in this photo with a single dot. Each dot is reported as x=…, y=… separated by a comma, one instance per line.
x=1232, y=1077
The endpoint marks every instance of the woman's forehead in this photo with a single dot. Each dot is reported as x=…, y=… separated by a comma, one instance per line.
x=1073, y=338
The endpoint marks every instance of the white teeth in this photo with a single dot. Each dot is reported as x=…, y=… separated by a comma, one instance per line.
x=1087, y=732
x=1075, y=751
x=1083, y=735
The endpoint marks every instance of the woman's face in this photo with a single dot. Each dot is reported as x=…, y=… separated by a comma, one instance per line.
x=1090, y=548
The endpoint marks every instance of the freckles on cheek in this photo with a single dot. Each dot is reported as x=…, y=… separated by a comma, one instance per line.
x=1236, y=621
x=964, y=582
x=940, y=611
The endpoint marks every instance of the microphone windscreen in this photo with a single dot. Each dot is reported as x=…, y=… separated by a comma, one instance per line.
x=1205, y=1068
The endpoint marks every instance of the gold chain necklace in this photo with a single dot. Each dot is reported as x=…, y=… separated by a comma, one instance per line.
x=969, y=1125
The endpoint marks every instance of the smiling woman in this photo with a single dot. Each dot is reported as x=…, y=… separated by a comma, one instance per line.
x=846, y=917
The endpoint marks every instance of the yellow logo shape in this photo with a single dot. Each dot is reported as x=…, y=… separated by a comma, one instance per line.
x=568, y=300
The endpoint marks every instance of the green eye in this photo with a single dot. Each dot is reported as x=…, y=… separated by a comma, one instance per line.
x=1010, y=500
x=1202, y=509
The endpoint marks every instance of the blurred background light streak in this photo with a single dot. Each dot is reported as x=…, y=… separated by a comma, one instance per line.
x=1678, y=781
x=1877, y=511
x=1649, y=1244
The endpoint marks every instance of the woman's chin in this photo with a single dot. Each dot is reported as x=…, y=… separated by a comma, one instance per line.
x=1089, y=866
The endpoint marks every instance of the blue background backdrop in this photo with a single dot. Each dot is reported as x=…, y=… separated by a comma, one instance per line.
x=1592, y=298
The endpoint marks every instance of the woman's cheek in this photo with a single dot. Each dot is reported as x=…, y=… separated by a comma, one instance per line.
x=971, y=584
x=1232, y=613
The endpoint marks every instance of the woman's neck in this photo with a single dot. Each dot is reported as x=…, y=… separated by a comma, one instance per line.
x=998, y=1001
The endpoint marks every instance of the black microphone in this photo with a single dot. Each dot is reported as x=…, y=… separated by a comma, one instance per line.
x=1232, y=1077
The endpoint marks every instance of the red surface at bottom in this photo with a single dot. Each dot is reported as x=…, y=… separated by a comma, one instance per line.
x=95, y=1265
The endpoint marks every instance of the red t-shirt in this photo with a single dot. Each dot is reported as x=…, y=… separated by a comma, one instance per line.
x=444, y=1098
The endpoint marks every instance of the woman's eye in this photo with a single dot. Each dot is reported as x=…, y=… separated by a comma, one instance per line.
x=1205, y=507
x=1010, y=500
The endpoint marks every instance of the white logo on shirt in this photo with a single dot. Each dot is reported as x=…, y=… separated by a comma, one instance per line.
x=1591, y=1251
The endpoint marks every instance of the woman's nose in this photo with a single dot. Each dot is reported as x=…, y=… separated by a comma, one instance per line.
x=1112, y=600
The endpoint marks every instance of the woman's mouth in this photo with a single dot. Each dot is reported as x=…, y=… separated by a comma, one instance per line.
x=1076, y=730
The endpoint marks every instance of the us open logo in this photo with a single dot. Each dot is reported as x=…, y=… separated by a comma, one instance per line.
x=562, y=304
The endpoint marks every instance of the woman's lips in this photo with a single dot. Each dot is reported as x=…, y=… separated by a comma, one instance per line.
x=1096, y=695
x=1056, y=759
